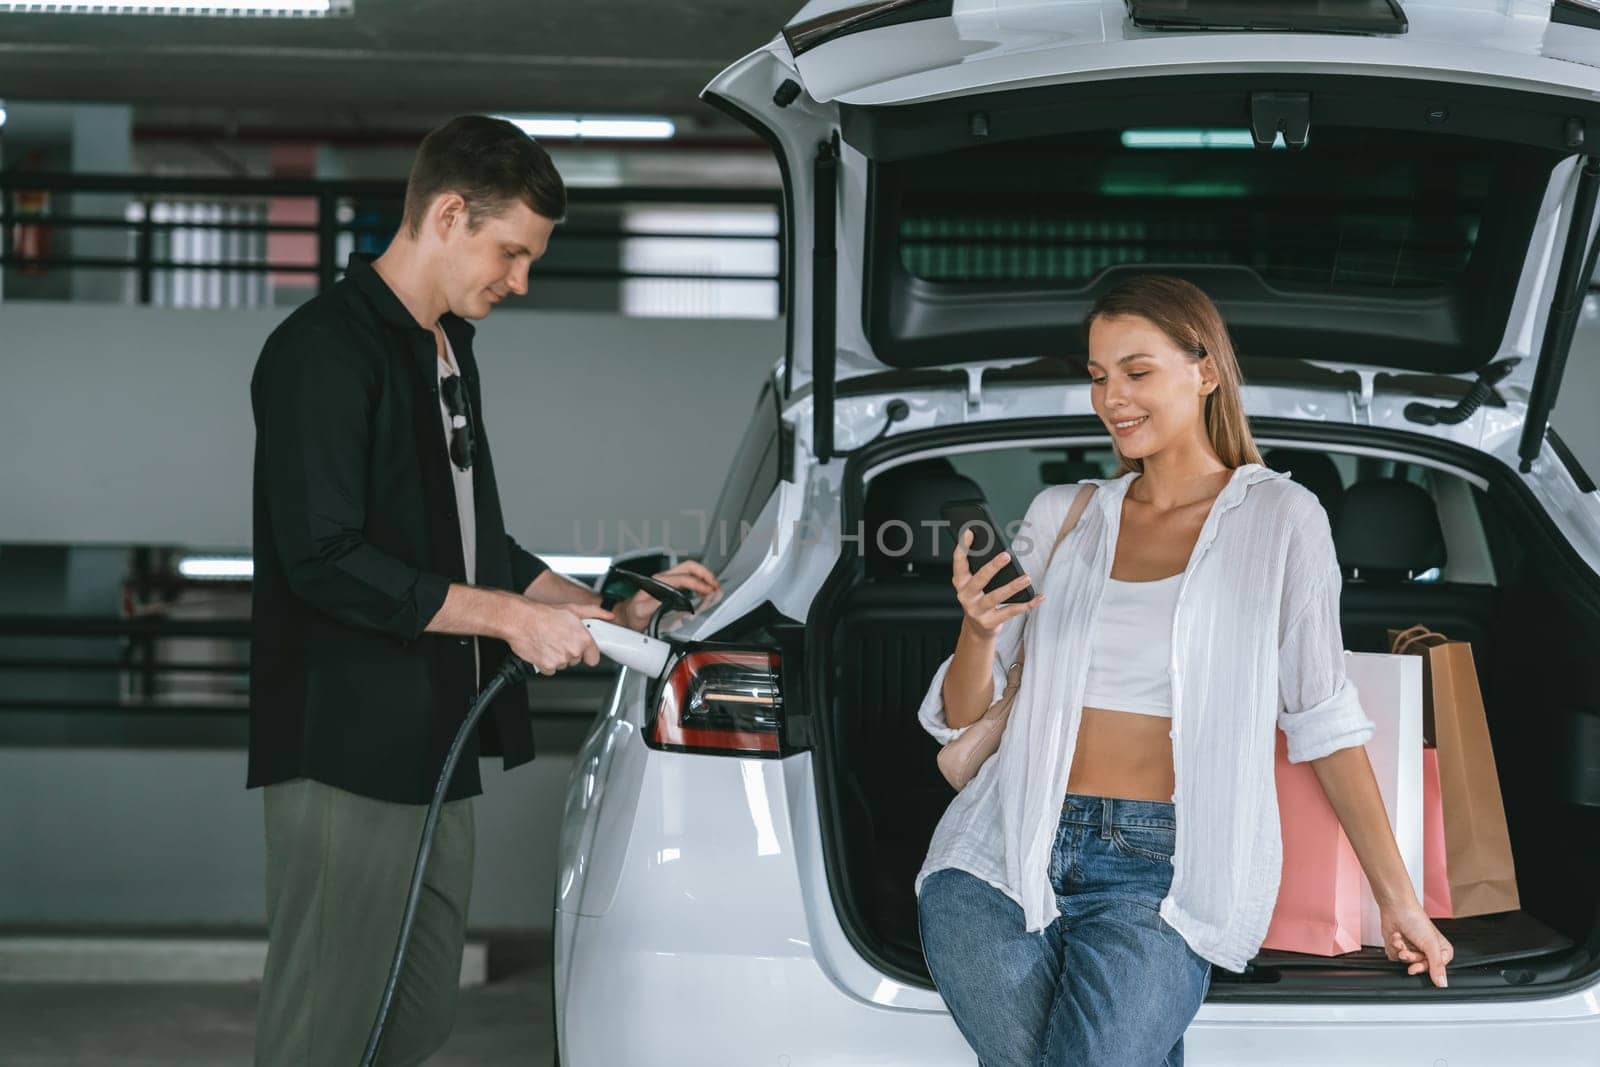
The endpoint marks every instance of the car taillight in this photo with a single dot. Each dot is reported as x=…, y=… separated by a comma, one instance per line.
x=727, y=701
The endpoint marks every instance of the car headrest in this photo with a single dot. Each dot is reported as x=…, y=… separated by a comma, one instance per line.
x=912, y=495
x=1062, y=472
x=1388, y=529
x=1314, y=470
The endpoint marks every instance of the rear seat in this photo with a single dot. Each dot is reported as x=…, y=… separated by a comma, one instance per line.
x=1314, y=470
x=1386, y=535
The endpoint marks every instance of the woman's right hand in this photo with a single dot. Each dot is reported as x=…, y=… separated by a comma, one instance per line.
x=984, y=613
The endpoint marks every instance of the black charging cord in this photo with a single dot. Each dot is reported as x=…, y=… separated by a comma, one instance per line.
x=514, y=669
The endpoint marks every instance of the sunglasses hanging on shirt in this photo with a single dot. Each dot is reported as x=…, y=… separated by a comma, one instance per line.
x=462, y=443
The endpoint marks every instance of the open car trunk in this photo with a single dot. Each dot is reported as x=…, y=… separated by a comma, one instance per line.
x=885, y=625
x=963, y=181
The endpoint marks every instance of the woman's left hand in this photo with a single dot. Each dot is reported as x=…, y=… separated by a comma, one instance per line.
x=1410, y=937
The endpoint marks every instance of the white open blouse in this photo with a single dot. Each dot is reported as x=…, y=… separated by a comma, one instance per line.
x=1256, y=646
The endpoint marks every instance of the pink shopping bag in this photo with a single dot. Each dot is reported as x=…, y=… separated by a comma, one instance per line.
x=1435, y=875
x=1319, y=894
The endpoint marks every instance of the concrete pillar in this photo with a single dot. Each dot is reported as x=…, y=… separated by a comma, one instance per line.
x=102, y=143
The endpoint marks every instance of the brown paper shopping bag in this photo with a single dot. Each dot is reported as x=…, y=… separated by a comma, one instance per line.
x=1477, y=845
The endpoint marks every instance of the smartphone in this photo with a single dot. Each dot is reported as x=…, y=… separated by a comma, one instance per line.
x=987, y=543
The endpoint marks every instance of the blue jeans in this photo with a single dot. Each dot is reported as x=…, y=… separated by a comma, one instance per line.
x=1107, y=983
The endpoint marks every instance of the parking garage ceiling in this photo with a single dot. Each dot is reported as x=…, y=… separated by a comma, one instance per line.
x=394, y=63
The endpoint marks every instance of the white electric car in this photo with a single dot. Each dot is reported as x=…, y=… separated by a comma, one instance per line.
x=1395, y=212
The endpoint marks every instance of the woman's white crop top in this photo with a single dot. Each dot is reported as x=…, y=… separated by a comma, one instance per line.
x=1131, y=646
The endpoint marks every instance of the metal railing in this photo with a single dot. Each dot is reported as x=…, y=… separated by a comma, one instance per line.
x=146, y=675
x=136, y=659
x=359, y=214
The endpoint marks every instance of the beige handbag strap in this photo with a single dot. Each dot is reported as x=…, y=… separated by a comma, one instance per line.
x=1079, y=502
x=1075, y=512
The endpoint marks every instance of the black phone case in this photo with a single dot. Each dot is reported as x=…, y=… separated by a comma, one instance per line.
x=959, y=514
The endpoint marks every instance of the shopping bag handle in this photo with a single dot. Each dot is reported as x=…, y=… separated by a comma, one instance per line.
x=1416, y=635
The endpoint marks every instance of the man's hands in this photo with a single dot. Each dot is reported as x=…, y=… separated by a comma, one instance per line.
x=635, y=612
x=552, y=637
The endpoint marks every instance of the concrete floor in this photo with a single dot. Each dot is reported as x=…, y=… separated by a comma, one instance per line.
x=506, y=1021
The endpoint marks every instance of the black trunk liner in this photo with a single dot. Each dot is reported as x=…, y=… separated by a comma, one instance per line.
x=1480, y=940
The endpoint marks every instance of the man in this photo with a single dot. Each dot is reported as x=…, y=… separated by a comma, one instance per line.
x=387, y=591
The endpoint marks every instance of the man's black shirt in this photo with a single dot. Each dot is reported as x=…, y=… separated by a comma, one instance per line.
x=356, y=543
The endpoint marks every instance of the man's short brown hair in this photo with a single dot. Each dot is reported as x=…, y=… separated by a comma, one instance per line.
x=491, y=163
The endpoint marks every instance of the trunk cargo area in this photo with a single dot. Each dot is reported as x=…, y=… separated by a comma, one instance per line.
x=886, y=624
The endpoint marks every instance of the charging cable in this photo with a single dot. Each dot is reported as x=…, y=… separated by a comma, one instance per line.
x=621, y=644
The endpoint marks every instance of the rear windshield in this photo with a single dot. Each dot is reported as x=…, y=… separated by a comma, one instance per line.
x=1355, y=209
x=1392, y=248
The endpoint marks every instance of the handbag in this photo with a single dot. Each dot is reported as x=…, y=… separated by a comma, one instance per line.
x=960, y=759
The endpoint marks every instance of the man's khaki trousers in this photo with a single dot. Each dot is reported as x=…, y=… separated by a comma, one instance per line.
x=338, y=868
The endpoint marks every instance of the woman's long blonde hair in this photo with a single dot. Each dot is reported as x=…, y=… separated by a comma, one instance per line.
x=1183, y=312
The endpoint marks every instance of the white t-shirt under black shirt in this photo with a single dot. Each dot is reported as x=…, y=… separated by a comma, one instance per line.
x=462, y=481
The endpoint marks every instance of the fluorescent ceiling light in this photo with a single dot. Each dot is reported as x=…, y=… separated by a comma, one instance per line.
x=214, y=8
x=239, y=567
x=577, y=128
x=1187, y=139
x=2, y=114
x=579, y=566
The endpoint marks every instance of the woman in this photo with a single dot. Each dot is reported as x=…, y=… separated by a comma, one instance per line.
x=1124, y=838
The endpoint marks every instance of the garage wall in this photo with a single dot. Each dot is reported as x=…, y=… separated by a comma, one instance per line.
x=151, y=837
x=133, y=425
